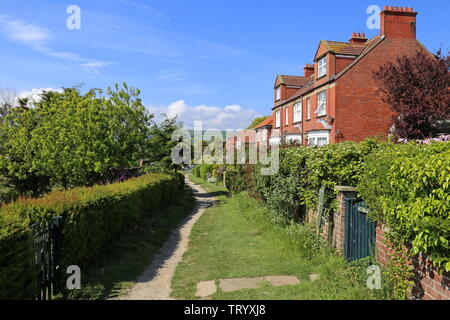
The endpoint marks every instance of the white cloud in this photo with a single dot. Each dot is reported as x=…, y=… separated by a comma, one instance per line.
x=176, y=109
x=38, y=39
x=233, y=108
x=213, y=117
x=34, y=94
x=24, y=33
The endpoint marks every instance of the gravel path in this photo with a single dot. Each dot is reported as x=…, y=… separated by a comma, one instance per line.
x=154, y=284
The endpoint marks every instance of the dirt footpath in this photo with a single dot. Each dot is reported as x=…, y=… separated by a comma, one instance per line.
x=154, y=284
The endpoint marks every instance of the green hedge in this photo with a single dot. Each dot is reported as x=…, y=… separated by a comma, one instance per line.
x=408, y=187
x=94, y=220
x=303, y=171
x=206, y=171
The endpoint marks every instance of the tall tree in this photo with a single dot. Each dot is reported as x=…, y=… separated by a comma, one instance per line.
x=417, y=89
x=160, y=145
x=72, y=139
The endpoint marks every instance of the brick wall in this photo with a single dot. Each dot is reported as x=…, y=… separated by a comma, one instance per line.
x=360, y=112
x=333, y=226
x=326, y=225
x=429, y=283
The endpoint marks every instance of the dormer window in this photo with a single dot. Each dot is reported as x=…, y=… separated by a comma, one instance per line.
x=277, y=93
x=322, y=67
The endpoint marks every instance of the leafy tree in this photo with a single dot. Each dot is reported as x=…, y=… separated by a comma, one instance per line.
x=257, y=121
x=160, y=145
x=416, y=88
x=73, y=139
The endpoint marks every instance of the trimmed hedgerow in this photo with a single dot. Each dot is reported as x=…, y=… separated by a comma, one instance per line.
x=303, y=171
x=94, y=220
x=408, y=187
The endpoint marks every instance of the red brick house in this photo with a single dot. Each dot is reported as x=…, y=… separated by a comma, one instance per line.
x=263, y=132
x=336, y=99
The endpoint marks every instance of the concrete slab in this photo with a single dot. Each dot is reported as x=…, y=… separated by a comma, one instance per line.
x=206, y=288
x=228, y=285
x=279, y=281
x=314, y=277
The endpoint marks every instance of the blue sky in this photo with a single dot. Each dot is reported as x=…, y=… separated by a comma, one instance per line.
x=201, y=60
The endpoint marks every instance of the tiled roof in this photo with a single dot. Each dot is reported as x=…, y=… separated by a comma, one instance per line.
x=294, y=81
x=308, y=86
x=344, y=47
x=265, y=123
x=366, y=48
x=372, y=43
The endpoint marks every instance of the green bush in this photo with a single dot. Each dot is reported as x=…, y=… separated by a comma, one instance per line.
x=206, y=171
x=196, y=171
x=405, y=185
x=234, y=179
x=303, y=171
x=408, y=187
x=95, y=218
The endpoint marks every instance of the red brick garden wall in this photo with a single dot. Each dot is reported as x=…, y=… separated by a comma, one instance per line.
x=429, y=283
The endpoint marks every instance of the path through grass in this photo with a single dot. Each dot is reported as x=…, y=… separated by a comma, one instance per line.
x=237, y=239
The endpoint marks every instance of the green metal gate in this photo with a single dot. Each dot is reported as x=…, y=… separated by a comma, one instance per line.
x=360, y=231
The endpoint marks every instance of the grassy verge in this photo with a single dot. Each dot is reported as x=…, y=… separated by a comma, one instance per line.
x=240, y=238
x=118, y=273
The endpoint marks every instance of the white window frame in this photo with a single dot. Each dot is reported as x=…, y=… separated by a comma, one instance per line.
x=278, y=119
x=278, y=94
x=321, y=104
x=322, y=67
x=274, y=141
x=294, y=138
x=315, y=137
x=308, y=109
x=286, y=114
x=298, y=112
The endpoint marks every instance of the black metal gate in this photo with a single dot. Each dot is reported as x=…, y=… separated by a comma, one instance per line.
x=47, y=243
x=360, y=231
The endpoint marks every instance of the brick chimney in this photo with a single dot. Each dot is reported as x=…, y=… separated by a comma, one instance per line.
x=398, y=22
x=358, y=38
x=308, y=70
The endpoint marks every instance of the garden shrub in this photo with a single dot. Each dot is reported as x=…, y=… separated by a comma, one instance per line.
x=303, y=171
x=94, y=218
x=408, y=188
x=196, y=171
x=206, y=171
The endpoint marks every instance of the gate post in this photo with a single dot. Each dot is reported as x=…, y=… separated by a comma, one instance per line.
x=339, y=230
